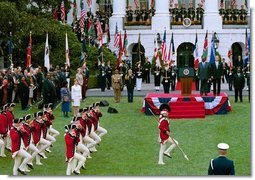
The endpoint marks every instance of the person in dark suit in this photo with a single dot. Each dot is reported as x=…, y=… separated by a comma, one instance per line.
x=225, y=70
x=157, y=76
x=166, y=78
x=203, y=75
x=102, y=76
x=221, y=165
x=146, y=70
x=130, y=83
x=230, y=79
x=109, y=75
x=196, y=79
x=216, y=75
x=239, y=83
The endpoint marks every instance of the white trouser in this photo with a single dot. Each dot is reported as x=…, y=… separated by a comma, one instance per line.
x=42, y=145
x=94, y=136
x=2, y=145
x=17, y=161
x=101, y=131
x=50, y=138
x=90, y=143
x=8, y=141
x=68, y=82
x=72, y=164
x=82, y=149
x=53, y=132
x=163, y=148
x=34, y=151
x=138, y=83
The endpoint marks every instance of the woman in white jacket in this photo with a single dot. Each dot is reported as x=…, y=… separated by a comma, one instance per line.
x=76, y=96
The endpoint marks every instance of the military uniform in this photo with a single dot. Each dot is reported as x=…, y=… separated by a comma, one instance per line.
x=173, y=69
x=239, y=82
x=116, y=85
x=157, y=77
x=139, y=76
x=166, y=79
x=102, y=76
x=229, y=14
x=176, y=13
x=138, y=15
x=146, y=71
x=109, y=76
x=130, y=15
x=183, y=12
x=221, y=165
x=130, y=83
x=191, y=12
x=199, y=13
x=235, y=14
x=222, y=13
x=243, y=14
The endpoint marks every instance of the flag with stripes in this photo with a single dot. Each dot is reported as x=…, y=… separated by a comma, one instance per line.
x=152, y=3
x=89, y=3
x=163, y=47
x=171, y=51
x=136, y=3
x=230, y=58
x=205, y=49
x=82, y=17
x=29, y=51
x=120, y=52
x=233, y=3
x=67, y=52
x=213, y=51
x=247, y=48
x=116, y=37
x=99, y=33
x=195, y=53
x=47, y=54
x=63, y=13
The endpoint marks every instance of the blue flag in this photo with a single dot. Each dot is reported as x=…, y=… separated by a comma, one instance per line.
x=247, y=49
x=213, y=51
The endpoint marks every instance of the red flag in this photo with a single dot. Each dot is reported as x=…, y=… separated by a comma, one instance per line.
x=163, y=47
x=89, y=2
x=136, y=3
x=29, y=51
x=116, y=37
x=99, y=33
x=120, y=52
x=63, y=13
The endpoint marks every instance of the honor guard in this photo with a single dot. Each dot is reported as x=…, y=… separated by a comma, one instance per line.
x=146, y=70
x=221, y=165
x=199, y=12
x=102, y=76
x=191, y=11
x=139, y=75
x=243, y=13
x=3, y=131
x=176, y=13
x=10, y=118
x=183, y=12
x=157, y=76
x=165, y=134
x=129, y=14
x=166, y=78
x=108, y=75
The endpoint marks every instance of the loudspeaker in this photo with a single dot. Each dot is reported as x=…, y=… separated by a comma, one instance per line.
x=112, y=110
x=104, y=103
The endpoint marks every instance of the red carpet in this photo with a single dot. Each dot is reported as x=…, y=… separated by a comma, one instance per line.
x=187, y=109
x=178, y=86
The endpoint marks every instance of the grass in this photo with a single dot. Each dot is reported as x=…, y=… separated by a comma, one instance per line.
x=131, y=149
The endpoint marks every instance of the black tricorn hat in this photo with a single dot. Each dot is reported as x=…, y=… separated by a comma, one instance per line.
x=17, y=120
x=27, y=117
x=112, y=110
x=85, y=109
x=70, y=126
x=164, y=107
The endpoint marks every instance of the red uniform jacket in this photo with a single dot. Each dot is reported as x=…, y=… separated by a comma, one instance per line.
x=163, y=128
x=15, y=139
x=10, y=118
x=36, y=131
x=3, y=124
x=50, y=118
x=26, y=136
x=83, y=124
x=71, y=142
x=44, y=129
x=89, y=123
x=94, y=119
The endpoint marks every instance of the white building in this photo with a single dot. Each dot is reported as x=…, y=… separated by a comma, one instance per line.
x=231, y=36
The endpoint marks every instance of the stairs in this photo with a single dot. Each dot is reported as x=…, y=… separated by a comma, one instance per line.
x=187, y=109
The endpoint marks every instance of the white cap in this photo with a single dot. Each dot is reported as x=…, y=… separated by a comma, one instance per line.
x=223, y=146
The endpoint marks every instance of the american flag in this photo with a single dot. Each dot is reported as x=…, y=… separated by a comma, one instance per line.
x=116, y=37
x=136, y=3
x=99, y=33
x=120, y=52
x=233, y=2
x=83, y=14
x=29, y=51
x=89, y=2
x=163, y=47
x=63, y=13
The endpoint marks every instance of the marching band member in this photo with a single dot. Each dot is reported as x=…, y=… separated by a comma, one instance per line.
x=18, y=149
x=3, y=131
x=10, y=118
x=99, y=129
x=165, y=134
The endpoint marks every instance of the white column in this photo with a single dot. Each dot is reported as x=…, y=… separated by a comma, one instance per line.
x=119, y=12
x=161, y=19
x=94, y=6
x=212, y=19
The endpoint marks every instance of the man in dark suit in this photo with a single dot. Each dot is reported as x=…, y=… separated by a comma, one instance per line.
x=239, y=82
x=216, y=75
x=203, y=75
x=221, y=165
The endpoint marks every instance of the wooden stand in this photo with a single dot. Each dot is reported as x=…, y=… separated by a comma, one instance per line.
x=186, y=86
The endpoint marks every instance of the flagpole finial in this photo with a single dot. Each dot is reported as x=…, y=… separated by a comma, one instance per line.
x=30, y=32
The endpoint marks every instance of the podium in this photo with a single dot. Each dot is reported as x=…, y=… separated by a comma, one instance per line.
x=186, y=75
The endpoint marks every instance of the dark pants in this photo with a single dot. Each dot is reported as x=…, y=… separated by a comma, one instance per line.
x=166, y=88
x=238, y=92
x=130, y=92
x=230, y=84
x=147, y=76
x=204, y=86
x=216, y=86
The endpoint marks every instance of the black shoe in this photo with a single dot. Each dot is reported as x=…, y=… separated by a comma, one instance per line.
x=167, y=155
x=30, y=166
x=41, y=155
x=22, y=172
x=75, y=172
x=47, y=151
x=90, y=151
x=8, y=149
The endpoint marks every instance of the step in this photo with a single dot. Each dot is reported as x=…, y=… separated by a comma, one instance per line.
x=187, y=107
x=195, y=111
x=186, y=116
x=186, y=103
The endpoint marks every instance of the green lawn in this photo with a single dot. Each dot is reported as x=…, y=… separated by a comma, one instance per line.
x=131, y=147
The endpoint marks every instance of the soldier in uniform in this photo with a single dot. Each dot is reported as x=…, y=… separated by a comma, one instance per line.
x=116, y=85
x=137, y=14
x=239, y=82
x=230, y=79
x=203, y=75
x=165, y=134
x=144, y=13
x=166, y=78
x=199, y=12
x=196, y=79
x=157, y=76
x=225, y=70
x=129, y=14
x=191, y=11
x=138, y=75
x=102, y=76
x=146, y=70
x=108, y=75
x=173, y=76
x=183, y=12
x=229, y=13
x=247, y=76
x=222, y=12
x=85, y=75
x=176, y=13
x=130, y=83
x=221, y=165
x=243, y=13
x=235, y=14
